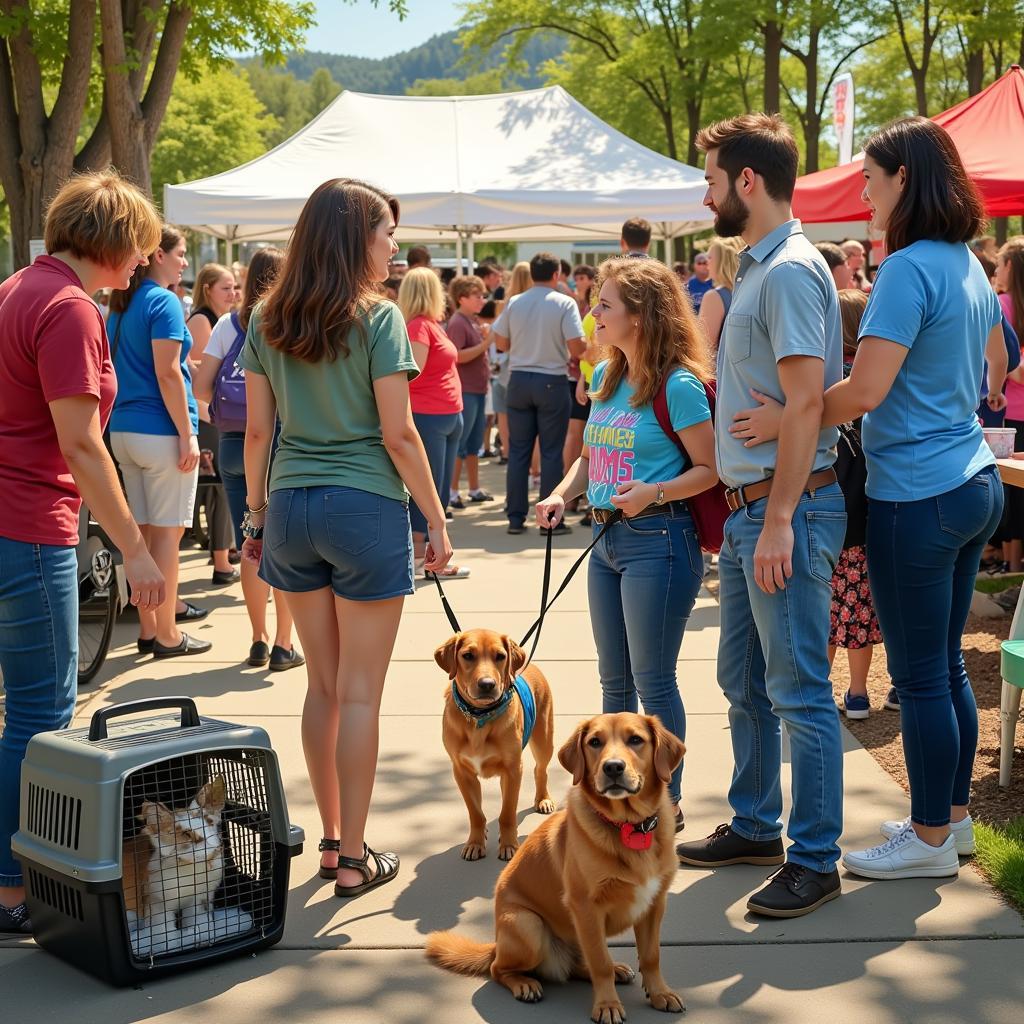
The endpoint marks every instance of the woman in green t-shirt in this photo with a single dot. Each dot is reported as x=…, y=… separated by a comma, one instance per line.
x=332, y=359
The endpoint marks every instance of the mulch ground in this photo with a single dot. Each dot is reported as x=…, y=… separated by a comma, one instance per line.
x=880, y=733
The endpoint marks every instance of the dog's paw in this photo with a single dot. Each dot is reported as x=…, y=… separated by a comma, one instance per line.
x=506, y=851
x=474, y=851
x=544, y=806
x=610, y=1012
x=667, y=1001
x=528, y=990
x=624, y=974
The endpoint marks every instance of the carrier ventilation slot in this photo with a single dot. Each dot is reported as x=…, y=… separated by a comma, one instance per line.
x=55, y=817
x=57, y=895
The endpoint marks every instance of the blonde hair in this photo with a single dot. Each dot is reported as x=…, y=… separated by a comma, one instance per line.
x=852, y=303
x=668, y=336
x=521, y=280
x=727, y=252
x=421, y=294
x=103, y=218
x=207, y=277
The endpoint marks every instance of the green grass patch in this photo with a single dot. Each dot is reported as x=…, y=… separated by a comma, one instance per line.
x=1000, y=855
x=997, y=584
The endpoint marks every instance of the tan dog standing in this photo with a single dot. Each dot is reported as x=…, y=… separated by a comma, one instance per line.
x=603, y=864
x=485, y=737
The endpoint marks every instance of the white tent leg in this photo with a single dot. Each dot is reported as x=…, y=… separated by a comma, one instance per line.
x=470, y=260
x=228, y=252
x=458, y=253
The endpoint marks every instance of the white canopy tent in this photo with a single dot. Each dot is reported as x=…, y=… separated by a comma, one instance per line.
x=524, y=166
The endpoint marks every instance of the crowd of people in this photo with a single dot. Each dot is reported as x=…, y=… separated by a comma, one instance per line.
x=327, y=402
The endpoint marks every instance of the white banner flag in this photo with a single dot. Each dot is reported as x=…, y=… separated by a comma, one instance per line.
x=842, y=115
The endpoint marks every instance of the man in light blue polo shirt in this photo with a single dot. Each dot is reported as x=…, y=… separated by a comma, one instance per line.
x=782, y=338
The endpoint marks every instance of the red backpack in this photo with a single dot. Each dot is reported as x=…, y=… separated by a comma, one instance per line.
x=709, y=508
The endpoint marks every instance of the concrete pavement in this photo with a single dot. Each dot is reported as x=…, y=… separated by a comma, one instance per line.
x=927, y=950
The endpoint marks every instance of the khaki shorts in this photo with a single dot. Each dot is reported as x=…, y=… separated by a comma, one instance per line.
x=159, y=494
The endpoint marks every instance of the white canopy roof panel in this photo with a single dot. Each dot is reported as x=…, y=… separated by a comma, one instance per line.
x=534, y=165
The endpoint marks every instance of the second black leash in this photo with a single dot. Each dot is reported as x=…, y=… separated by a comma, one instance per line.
x=545, y=603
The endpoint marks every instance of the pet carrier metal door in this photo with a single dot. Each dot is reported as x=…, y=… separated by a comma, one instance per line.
x=154, y=845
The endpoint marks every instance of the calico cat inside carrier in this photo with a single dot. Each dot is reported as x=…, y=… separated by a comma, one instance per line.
x=154, y=845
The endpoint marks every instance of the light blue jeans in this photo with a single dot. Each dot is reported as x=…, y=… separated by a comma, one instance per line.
x=773, y=668
x=39, y=660
x=642, y=582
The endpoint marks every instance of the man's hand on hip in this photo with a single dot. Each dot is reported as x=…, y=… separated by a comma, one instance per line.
x=773, y=556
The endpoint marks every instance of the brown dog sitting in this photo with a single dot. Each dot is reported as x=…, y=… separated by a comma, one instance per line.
x=589, y=872
x=489, y=716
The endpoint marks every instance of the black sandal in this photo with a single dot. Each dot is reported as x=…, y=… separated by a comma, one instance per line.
x=385, y=863
x=329, y=846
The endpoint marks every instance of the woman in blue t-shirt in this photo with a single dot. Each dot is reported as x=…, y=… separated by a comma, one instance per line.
x=153, y=430
x=645, y=573
x=934, y=496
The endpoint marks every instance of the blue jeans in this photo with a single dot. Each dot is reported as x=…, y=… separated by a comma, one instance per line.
x=39, y=660
x=923, y=557
x=440, y=435
x=773, y=668
x=642, y=582
x=538, y=407
x=231, y=465
x=474, y=419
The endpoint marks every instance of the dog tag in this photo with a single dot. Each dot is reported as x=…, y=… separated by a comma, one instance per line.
x=634, y=840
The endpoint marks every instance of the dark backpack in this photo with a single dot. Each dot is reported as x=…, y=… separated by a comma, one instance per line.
x=709, y=508
x=228, y=408
x=852, y=473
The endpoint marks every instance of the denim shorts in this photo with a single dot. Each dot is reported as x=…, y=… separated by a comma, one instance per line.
x=355, y=542
x=499, y=397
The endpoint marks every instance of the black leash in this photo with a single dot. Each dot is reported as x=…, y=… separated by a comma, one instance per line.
x=545, y=604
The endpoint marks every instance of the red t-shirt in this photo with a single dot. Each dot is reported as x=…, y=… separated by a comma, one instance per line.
x=436, y=391
x=53, y=344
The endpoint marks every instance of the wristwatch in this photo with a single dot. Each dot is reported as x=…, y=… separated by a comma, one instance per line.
x=249, y=529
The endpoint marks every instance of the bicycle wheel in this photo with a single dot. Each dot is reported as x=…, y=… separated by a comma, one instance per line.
x=96, y=617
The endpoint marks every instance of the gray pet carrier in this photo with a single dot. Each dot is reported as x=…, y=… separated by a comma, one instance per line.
x=155, y=845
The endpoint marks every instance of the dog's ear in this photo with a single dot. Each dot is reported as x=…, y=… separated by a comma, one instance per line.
x=571, y=756
x=668, y=749
x=516, y=656
x=445, y=654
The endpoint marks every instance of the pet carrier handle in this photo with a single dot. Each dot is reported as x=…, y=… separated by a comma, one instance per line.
x=189, y=713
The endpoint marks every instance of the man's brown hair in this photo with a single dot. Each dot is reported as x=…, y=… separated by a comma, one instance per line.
x=103, y=218
x=762, y=142
x=636, y=233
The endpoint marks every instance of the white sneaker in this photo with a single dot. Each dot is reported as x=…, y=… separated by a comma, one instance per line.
x=963, y=833
x=905, y=856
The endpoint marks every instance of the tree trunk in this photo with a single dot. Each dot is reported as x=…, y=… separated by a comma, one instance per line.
x=1002, y=226
x=812, y=120
x=975, y=64
x=772, y=33
x=693, y=127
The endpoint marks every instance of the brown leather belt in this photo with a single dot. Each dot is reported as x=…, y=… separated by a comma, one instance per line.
x=669, y=508
x=737, y=497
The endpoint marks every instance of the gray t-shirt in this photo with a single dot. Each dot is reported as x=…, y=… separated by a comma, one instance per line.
x=784, y=303
x=538, y=323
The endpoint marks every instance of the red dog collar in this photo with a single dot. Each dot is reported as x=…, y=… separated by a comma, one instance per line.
x=634, y=836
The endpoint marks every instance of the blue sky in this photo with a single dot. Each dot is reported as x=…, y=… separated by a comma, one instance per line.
x=366, y=31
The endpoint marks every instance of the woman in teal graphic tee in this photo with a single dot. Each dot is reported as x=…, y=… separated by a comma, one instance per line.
x=645, y=572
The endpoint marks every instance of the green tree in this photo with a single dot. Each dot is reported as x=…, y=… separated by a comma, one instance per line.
x=323, y=89
x=128, y=53
x=479, y=84
x=284, y=96
x=212, y=124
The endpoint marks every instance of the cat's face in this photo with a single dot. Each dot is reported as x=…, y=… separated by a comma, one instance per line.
x=191, y=835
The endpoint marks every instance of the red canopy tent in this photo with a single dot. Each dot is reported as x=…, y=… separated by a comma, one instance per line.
x=988, y=130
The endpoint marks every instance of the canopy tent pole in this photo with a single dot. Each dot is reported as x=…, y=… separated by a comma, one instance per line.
x=470, y=260
x=458, y=251
x=229, y=246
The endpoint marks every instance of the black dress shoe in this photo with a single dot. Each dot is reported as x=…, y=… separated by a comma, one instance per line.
x=192, y=613
x=259, y=654
x=223, y=579
x=15, y=920
x=516, y=528
x=282, y=658
x=145, y=645
x=234, y=556
x=725, y=847
x=795, y=890
x=188, y=645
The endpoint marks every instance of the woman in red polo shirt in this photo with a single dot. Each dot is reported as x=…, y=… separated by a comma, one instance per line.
x=435, y=395
x=58, y=386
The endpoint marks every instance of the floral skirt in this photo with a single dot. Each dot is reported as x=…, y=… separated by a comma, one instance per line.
x=854, y=623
